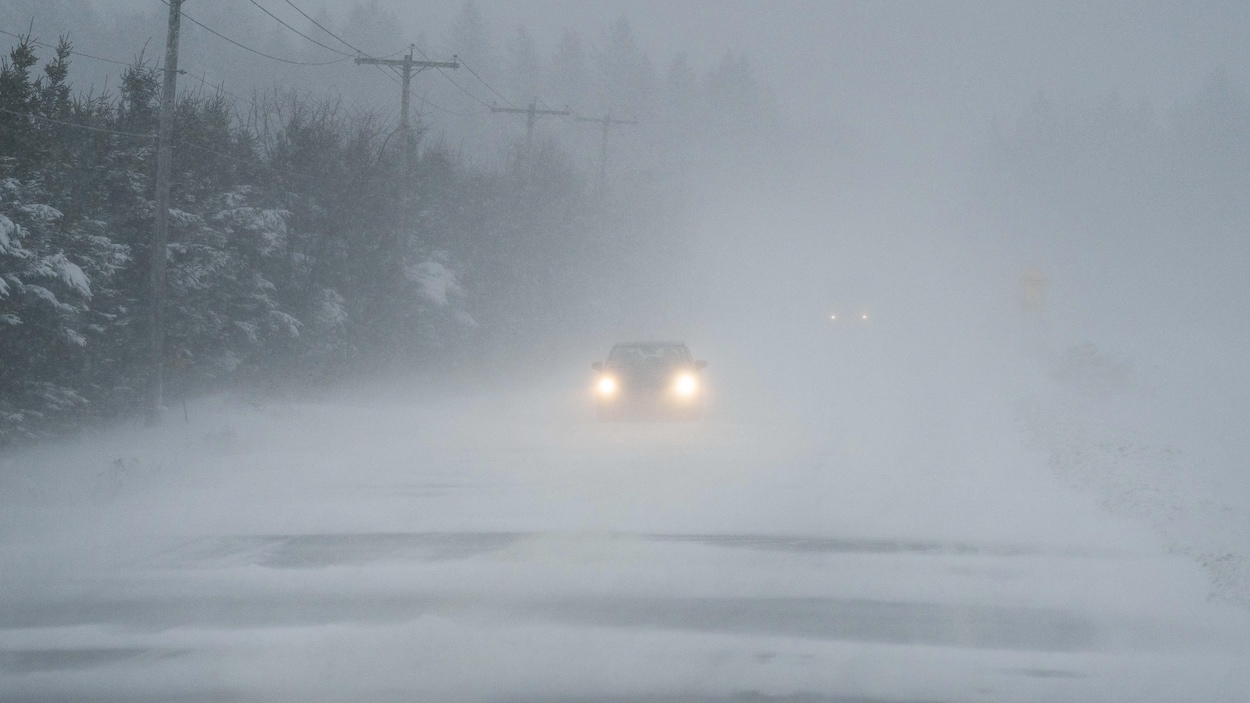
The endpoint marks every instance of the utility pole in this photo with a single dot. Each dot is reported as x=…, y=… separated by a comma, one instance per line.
x=160, y=234
x=532, y=114
x=606, y=121
x=407, y=64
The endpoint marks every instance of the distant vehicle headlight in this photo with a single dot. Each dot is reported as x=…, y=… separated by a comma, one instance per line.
x=607, y=385
x=687, y=384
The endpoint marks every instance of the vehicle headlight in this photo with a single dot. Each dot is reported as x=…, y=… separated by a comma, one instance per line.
x=607, y=385
x=687, y=384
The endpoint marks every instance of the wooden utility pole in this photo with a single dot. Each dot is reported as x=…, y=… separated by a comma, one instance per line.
x=606, y=121
x=532, y=114
x=406, y=64
x=160, y=234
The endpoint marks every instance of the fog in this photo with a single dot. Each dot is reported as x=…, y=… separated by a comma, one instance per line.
x=969, y=278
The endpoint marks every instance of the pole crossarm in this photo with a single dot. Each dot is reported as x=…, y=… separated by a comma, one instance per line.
x=606, y=122
x=527, y=111
x=407, y=64
x=407, y=61
x=532, y=115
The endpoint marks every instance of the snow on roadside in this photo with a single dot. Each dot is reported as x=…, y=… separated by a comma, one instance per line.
x=1196, y=508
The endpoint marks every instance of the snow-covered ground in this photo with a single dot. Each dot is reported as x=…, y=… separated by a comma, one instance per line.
x=1193, y=498
x=905, y=510
x=909, y=546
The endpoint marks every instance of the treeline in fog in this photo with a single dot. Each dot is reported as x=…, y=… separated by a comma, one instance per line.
x=1141, y=211
x=299, y=250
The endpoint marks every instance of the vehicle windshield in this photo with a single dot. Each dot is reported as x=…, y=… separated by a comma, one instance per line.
x=649, y=355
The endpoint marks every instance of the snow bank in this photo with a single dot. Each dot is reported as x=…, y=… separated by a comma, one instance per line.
x=1199, y=507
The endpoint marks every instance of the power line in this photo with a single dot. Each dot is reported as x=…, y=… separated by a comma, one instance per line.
x=284, y=24
x=78, y=126
x=193, y=145
x=462, y=88
x=391, y=55
x=218, y=87
x=396, y=78
x=340, y=39
x=322, y=28
x=36, y=42
x=488, y=85
x=393, y=76
x=567, y=118
x=471, y=95
x=407, y=64
x=152, y=135
x=318, y=24
x=219, y=35
x=436, y=106
x=204, y=81
x=236, y=159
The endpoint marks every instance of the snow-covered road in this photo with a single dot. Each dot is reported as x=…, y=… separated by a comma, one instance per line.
x=504, y=546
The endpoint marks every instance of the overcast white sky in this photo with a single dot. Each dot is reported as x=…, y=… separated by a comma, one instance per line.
x=961, y=49
x=873, y=58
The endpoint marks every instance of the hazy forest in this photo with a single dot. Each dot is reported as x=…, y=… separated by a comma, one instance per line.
x=299, y=252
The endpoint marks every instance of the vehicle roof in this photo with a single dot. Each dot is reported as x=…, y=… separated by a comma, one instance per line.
x=639, y=352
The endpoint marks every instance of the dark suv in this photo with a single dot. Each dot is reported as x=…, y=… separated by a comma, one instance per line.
x=650, y=380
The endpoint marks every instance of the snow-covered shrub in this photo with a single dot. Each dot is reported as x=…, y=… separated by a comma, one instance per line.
x=47, y=270
x=224, y=305
x=439, y=316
